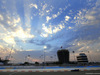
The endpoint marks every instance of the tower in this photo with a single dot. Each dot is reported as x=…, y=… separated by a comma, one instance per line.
x=63, y=56
x=82, y=59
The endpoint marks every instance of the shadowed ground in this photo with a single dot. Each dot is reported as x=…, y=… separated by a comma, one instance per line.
x=52, y=73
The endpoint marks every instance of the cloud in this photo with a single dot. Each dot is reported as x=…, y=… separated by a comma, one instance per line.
x=17, y=20
x=12, y=28
x=16, y=31
x=10, y=23
x=44, y=35
x=88, y=16
x=47, y=30
x=21, y=34
x=54, y=15
x=58, y=28
x=50, y=9
x=1, y=17
x=67, y=18
x=44, y=6
x=48, y=18
x=14, y=23
x=33, y=5
x=9, y=40
x=70, y=27
x=47, y=11
x=51, y=29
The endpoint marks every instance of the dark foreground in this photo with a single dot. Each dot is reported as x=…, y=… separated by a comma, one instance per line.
x=52, y=73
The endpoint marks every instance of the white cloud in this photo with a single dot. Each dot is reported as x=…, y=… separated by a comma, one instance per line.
x=9, y=40
x=9, y=22
x=88, y=16
x=67, y=18
x=44, y=7
x=54, y=15
x=33, y=5
x=9, y=37
x=50, y=10
x=18, y=30
x=41, y=13
x=11, y=28
x=74, y=17
x=79, y=13
x=61, y=26
x=51, y=29
x=1, y=17
x=2, y=28
x=69, y=27
x=21, y=34
x=47, y=30
x=16, y=20
x=8, y=17
x=47, y=11
x=44, y=35
x=48, y=18
x=56, y=29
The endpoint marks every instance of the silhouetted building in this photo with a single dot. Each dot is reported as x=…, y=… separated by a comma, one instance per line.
x=63, y=56
x=82, y=58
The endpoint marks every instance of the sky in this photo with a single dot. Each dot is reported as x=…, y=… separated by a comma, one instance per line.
x=30, y=27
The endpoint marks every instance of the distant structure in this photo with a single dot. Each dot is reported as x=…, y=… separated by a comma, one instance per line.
x=63, y=56
x=82, y=58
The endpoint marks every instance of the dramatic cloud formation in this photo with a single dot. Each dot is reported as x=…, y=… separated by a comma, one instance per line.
x=30, y=26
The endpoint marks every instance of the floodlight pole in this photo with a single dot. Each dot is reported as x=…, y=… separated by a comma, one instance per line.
x=10, y=53
x=44, y=58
